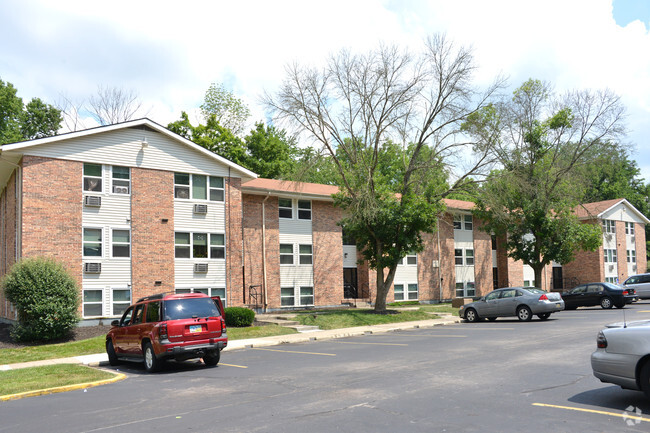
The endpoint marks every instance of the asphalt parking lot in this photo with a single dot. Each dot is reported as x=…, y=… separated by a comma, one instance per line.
x=502, y=376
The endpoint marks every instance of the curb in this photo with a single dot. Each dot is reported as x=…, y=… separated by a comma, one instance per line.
x=118, y=377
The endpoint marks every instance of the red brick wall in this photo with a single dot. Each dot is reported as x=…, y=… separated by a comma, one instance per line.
x=429, y=276
x=447, y=263
x=482, y=260
x=641, y=256
x=621, y=251
x=253, y=263
x=234, y=258
x=8, y=250
x=51, y=211
x=152, y=240
x=327, y=254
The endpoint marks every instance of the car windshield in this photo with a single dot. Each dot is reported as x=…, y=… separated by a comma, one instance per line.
x=534, y=290
x=190, y=307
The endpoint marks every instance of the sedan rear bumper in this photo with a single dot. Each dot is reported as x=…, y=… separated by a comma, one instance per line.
x=547, y=307
x=615, y=368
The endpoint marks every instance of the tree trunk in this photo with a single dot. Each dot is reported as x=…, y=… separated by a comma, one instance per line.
x=538, y=275
x=383, y=286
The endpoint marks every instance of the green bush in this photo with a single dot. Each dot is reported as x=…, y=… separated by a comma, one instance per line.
x=239, y=317
x=46, y=297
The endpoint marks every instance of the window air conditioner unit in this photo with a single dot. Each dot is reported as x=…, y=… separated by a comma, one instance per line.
x=611, y=267
x=201, y=208
x=121, y=189
x=92, y=268
x=93, y=200
x=201, y=268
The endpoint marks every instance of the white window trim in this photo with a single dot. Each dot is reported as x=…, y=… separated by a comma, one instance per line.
x=298, y=209
x=113, y=179
x=211, y=291
x=191, y=188
x=102, y=243
x=100, y=302
x=83, y=180
x=291, y=208
x=293, y=254
x=191, y=245
x=112, y=229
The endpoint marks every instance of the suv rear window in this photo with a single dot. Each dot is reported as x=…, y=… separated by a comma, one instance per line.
x=187, y=308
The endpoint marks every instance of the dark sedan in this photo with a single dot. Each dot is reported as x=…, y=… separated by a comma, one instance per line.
x=606, y=295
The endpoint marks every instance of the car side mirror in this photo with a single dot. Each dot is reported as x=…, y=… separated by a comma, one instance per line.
x=482, y=299
x=115, y=323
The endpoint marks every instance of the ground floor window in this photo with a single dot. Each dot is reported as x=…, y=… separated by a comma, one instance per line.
x=109, y=301
x=613, y=280
x=303, y=294
x=411, y=293
x=465, y=289
x=210, y=291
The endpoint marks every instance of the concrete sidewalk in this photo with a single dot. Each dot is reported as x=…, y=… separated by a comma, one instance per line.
x=102, y=359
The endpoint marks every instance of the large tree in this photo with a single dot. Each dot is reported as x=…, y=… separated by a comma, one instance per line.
x=543, y=140
x=228, y=110
x=20, y=122
x=389, y=105
x=270, y=152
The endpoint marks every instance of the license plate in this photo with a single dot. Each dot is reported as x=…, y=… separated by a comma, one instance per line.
x=195, y=328
x=558, y=305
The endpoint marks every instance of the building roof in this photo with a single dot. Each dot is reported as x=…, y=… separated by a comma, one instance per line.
x=597, y=209
x=279, y=187
x=458, y=204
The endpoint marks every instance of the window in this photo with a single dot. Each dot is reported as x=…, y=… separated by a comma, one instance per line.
x=306, y=296
x=469, y=257
x=181, y=185
x=412, y=292
x=412, y=259
x=92, y=242
x=217, y=246
x=610, y=256
x=527, y=283
x=200, y=245
x=182, y=245
x=348, y=238
x=121, y=179
x=210, y=291
x=217, y=192
x=286, y=254
x=460, y=290
x=470, y=289
x=458, y=256
x=153, y=312
x=92, y=302
x=458, y=222
x=92, y=177
x=467, y=290
x=493, y=239
x=398, y=290
x=285, y=208
x=287, y=298
x=304, y=210
x=305, y=253
x=609, y=226
x=121, y=243
x=612, y=280
x=199, y=187
x=631, y=256
x=121, y=299
x=629, y=228
x=468, y=222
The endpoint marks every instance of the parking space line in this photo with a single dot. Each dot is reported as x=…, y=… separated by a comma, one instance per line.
x=233, y=365
x=374, y=344
x=294, y=351
x=643, y=311
x=600, y=412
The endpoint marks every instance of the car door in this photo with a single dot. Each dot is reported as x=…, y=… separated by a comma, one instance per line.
x=132, y=334
x=507, y=303
x=575, y=297
x=488, y=308
x=593, y=294
x=120, y=338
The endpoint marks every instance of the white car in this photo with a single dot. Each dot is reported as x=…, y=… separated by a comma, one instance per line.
x=623, y=356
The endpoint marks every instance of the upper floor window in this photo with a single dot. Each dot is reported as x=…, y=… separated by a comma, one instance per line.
x=610, y=255
x=464, y=257
x=121, y=243
x=629, y=228
x=92, y=242
x=286, y=254
x=410, y=259
x=285, y=208
x=304, y=209
x=92, y=177
x=609, y=226
x=463, y=222
x=121, y=178
x=198, y=187
x=631, y=256
x=199, y=245
x=305, y=252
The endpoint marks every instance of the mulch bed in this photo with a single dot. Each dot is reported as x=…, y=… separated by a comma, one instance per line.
x=78, y=333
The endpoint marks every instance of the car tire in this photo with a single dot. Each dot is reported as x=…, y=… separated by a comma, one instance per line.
x=644, y=379
x=211, y=359
x=492, y=319
x=524, y=314
x=151, y=363
x=110, y=351
x=471, y=315
x=544, y=316
x=606, y=302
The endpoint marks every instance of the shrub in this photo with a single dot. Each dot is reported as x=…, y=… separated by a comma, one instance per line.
x=239, y=317
x=46, y=297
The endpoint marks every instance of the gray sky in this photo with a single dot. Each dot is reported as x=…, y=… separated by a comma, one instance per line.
x=169, y=52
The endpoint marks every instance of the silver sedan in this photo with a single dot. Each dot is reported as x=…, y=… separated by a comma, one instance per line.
x=622, y=356
x=522, y=302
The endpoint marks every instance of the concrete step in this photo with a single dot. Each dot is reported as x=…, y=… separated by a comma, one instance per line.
x=279, y=322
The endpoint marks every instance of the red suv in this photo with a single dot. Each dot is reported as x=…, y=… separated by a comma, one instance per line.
x=166, y=326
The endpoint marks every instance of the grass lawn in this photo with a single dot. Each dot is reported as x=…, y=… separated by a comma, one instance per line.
x=349, y=318
x=31, y=379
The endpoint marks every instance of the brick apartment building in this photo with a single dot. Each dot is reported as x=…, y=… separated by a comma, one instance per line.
x=133, y=209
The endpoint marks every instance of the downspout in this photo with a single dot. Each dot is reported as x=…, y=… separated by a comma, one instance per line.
x=439, y=263
x=268, y=194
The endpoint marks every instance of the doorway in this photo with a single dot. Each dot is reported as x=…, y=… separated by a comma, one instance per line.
x=350, y=283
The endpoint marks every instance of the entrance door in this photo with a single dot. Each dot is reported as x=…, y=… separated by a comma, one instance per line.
x=350, y=290
x=557, y=279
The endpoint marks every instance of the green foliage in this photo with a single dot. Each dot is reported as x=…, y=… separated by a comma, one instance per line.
x=270, y=152
x=228, y=110
x=46, y=297
x=19, y=122
x=239, y=317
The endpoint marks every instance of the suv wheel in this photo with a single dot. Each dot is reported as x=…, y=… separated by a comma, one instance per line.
x=110, y=351
x=151, y=363
x=212, y=358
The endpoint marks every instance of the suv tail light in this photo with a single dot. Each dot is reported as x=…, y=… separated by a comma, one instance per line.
x=162, y=331
x=223, y=325
x=601, y=341
x=543, y=297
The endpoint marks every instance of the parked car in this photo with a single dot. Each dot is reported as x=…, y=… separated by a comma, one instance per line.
x=169, y=326
x=523, y=302
x=622, y=356
x=639, y=283
x=606, y=295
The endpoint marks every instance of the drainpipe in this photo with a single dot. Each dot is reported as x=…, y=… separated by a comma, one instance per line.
x=268, y=194
x=439, y=263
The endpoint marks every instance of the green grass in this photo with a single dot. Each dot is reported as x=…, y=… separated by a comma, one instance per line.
x=349, y=318
x=53, y=351
x=258, y=331
x=32, y=379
